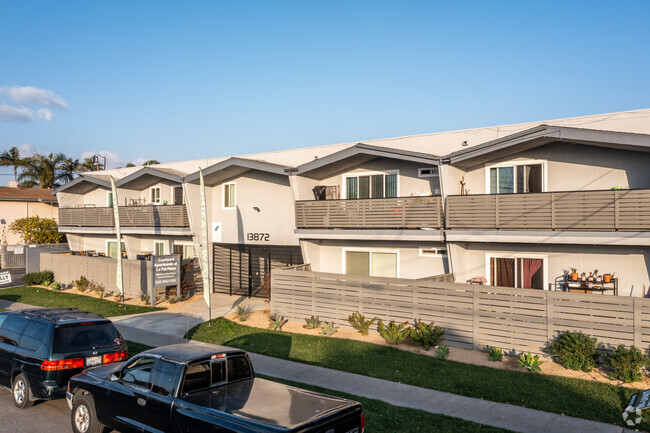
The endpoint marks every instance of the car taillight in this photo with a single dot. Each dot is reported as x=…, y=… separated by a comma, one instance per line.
x=363, y=423
x=115, y=357
x=62, y=364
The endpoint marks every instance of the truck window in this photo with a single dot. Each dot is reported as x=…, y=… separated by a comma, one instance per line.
x=197, y=377
x=81, y=337
x=139, y=372
x=238, y=368
x=33, y=336
x=163, y=382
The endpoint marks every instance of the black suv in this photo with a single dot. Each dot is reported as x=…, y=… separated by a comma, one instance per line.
x=40, y=350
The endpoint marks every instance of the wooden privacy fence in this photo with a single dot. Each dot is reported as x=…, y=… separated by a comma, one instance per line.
x=609, y=210
x=130, y=216
x=398, y=212
x=473, y=316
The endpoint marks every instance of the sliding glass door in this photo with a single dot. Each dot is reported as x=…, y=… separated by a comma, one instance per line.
x=518, y=272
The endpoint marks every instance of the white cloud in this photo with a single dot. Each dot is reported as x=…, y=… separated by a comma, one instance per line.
x=139, y=161
x=45, y=113
x=33, y=96
x=9, y=113
x=27, y=149
x=113, y=160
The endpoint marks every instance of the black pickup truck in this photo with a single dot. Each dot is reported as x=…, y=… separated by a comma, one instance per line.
x=200, y=388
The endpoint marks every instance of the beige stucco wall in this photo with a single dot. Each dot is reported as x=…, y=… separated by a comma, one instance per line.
x=10, y=211
x=630, y=264
x=328, y=256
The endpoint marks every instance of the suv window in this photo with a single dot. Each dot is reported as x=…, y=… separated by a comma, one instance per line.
x=163, y=382
x=3, y=317
x=34, y=335
x=139, y=372
x=15, y=324
x=81, y=337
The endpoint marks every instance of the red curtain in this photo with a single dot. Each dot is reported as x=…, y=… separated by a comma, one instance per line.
x=531, y=266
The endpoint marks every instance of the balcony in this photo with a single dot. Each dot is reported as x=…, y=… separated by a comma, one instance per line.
x=377, y=213
x=596, y=211
x=130, y=216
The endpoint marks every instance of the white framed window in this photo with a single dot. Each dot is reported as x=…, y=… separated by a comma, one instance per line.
x=375, y=184
x=109, y=199
x=159, y=248
x=154, y=195
x=186, y=248
x=111, y=248
x=229, y=195
x=374, y=263
x=433, y=252
x=428, y=172
x=522, y=271
x=516, y=177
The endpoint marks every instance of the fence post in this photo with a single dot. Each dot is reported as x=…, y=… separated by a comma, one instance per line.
x=637, y=306
x=496, y=211
x=552, y=195
x=313, y=294
x=616, y=211
x=475, y=327
x=414, y=288
x=550, y=297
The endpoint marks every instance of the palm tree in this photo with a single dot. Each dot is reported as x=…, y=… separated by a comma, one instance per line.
x=41, y=171
x=130, y=164
x=11, y=158
x=151, y=162
x=90, y=164
x=67, y=169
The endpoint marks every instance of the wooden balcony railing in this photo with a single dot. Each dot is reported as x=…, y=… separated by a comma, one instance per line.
x=130, y=216
x=383, y=213
x=609, y=210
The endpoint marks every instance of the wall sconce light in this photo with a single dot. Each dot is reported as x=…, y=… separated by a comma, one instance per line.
x=256, y=208
x=464, y=143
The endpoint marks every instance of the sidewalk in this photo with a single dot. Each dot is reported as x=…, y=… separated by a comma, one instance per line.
x=138, y=328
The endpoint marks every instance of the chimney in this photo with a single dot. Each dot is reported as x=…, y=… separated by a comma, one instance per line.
x=12, y=184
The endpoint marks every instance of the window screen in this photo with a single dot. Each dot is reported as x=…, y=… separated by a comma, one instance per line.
x=391, y=185
x=351, y=184
x=229, y=195
x=357, y=263
x=378, y=186
x=364, y=186
x=384, y=265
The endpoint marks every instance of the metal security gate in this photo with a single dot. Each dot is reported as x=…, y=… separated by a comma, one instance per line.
x=241, y=269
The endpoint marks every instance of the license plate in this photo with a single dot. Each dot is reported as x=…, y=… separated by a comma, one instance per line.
x=93, y=360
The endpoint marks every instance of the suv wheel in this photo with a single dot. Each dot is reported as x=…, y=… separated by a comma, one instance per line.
x=20, y=391
x=84, y=418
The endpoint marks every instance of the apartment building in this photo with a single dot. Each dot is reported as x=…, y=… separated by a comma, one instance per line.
x=513, y=205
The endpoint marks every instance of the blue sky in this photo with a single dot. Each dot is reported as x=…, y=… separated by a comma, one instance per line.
x=185, y=80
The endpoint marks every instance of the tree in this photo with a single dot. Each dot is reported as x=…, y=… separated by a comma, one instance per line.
x=41, y=171
x=91, y=164
x=11, y=158
x=151, y=162
x=68, y=167
x=130, y=164
x=36, y=230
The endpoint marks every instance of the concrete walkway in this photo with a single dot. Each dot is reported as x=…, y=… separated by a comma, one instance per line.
x=157, y=329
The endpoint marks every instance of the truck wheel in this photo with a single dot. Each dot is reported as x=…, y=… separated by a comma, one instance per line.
x=83, y=415
x=21, y=393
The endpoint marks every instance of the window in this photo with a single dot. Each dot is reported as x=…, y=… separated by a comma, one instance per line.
x=109, y=199
x=163, y=382
x=238, y=368
x=376, y=264
x=428, y=172
x=79, y=338
x=155, y=195
x=516, y=178
x=159, y=248
x=34, y=335
x=15, y=324
x=3, y=317
x=432, y=252
x=517, y=272
x=186, y=251
x=372, y=185
x=229, y=196
x=139, y=372
x=111, y=249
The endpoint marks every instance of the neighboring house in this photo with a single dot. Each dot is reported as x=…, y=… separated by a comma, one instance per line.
x=513, y=204
x=18, y=203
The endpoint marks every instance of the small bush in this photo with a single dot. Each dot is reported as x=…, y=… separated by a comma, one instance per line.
x=328, y=329
x=442, y=352
x=43, y=278
x=628, y=364
x=55, y=286
x=276, y=321
x=426, y=335
x=574, y=350
x=242, y=313
x=359, y=322
x=495, y=354
x=172, y=299
x=81, y=284
x=144, y=297
x=312, y=323
x=530, y=362
x=394, y=333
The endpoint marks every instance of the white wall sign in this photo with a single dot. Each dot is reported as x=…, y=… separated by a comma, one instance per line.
x=19, y=249
x=216, y=232
x=5, y=278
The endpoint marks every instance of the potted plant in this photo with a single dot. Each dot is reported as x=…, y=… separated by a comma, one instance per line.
x=583, y=277
x=574, y=274
x=607, y=278
x=598, y=278
x=590, y=277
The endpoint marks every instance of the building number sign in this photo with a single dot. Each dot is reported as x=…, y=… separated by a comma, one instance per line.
x=258, y=237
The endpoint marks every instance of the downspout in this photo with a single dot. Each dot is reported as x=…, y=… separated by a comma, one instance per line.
x=444, y=207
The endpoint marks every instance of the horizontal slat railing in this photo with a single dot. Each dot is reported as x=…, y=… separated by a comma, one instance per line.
x=472, y=316
x=609, y=210
x=130, y=216
x=399, y=212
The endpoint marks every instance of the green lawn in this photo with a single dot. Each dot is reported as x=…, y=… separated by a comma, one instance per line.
x=50, y=299
x=135, y=348
x=382, y=417
x=579, y=398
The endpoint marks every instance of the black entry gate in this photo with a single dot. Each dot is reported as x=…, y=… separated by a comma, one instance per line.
x=241, y=269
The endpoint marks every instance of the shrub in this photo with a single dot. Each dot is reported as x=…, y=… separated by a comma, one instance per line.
x=394, y=333
x=442, y=352
x=242, y=313
x=172, y=299
x=144, y=297
x=276, y=321
x=530, y=362
x=495, y=354
x=81, y=284
x=359, y=322
x=312, y=323
x=328, y=329
x=628, y=364
x=42, y=278
x=574, y=350
x=55, y=286
x=36, y=230
x=426, y=335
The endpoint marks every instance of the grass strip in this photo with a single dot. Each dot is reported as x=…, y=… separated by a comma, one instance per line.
x=135, y=348
x=574, y=397
x=382, y=417
x=41, y=297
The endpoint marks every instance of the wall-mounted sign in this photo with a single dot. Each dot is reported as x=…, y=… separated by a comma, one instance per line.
x=166, y=270
x=5, y=278
x=19, y=249
x=257, y=237
x=216, y=232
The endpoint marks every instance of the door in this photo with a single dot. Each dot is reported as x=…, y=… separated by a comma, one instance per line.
x=127, y=398
x=159, y=403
